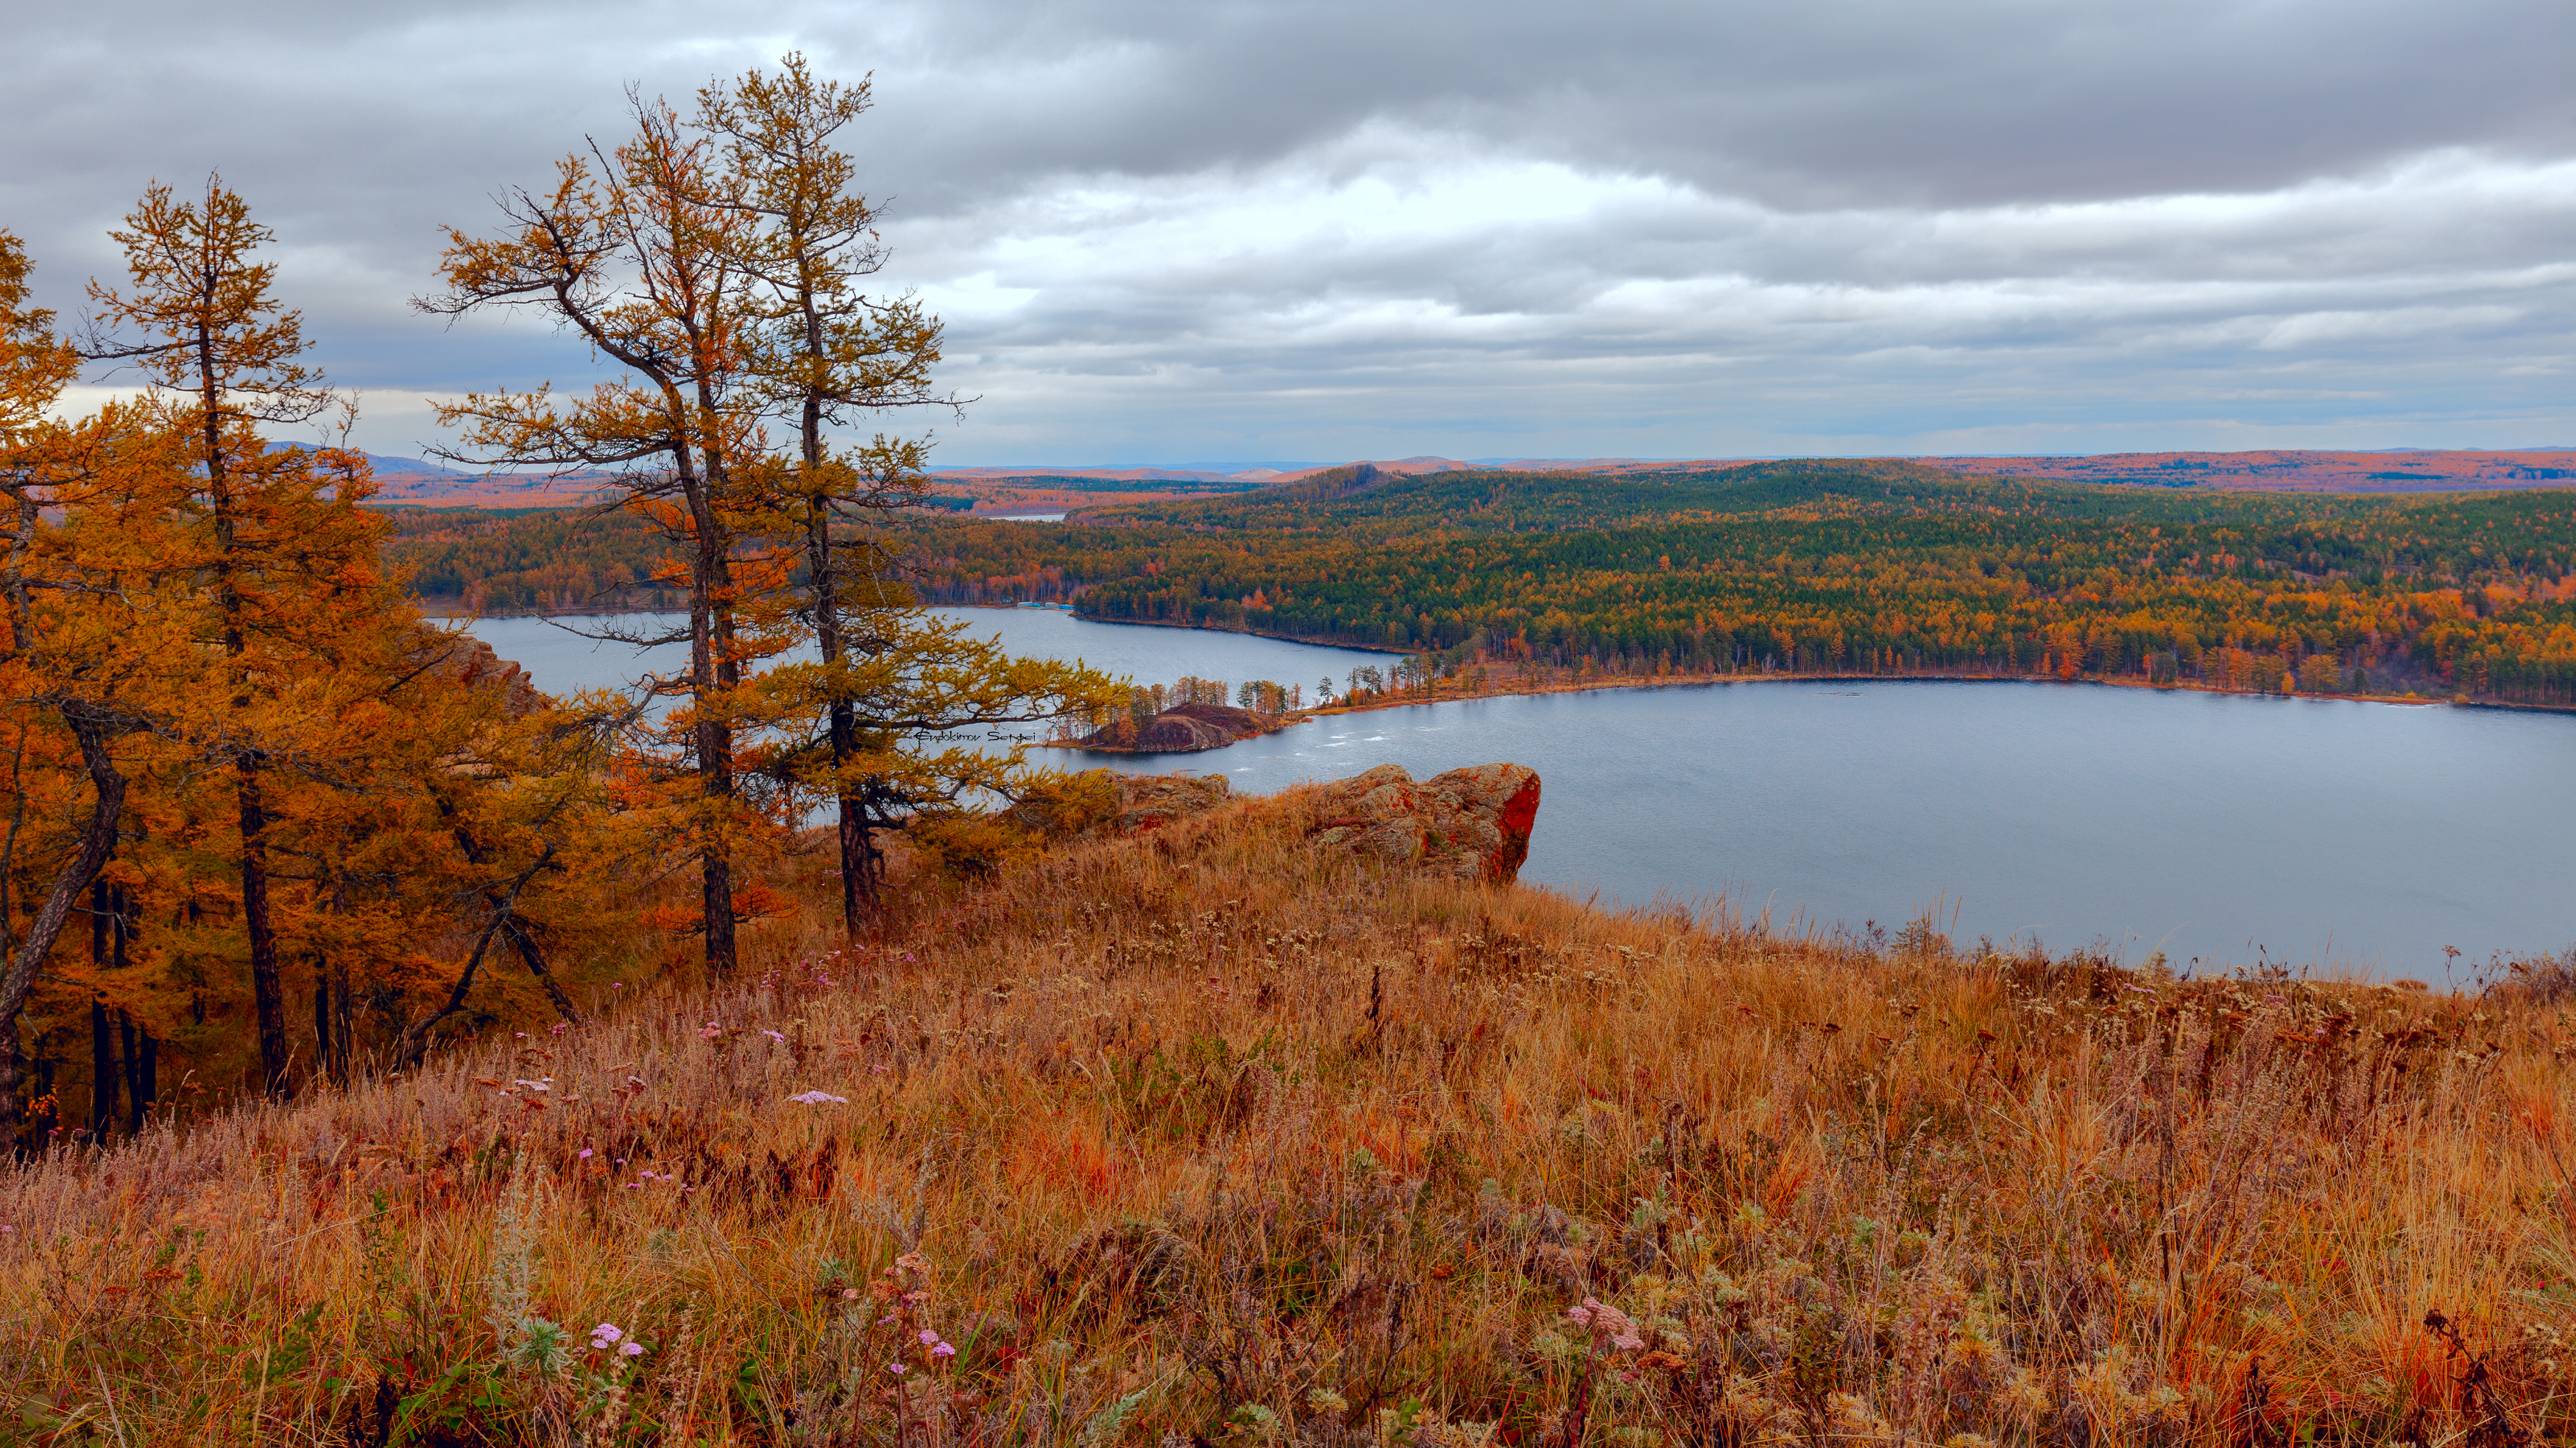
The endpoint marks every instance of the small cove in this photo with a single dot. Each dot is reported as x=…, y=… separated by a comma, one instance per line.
x=2225, y=829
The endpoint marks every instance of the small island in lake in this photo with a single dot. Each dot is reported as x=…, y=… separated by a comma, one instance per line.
x=1181, y=729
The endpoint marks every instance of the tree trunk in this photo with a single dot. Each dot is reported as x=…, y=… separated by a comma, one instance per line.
x=857, y=899
x=324, y=1062
x=521, y=939
x=857, y=888
x=98, y=840
x=138, y=1071
x=346, y=1003
x=102, y=1051
x=102, y=1071
x=413, y=1045
x=535, y=960
x=714, y=748
x=139, y=1051
x=145, y=1088
x=268, y=992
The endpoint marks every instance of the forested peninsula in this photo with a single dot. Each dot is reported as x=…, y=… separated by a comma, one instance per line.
x=1797, y=568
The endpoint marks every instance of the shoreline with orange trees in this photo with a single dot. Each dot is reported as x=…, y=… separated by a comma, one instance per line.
x=1443, y=692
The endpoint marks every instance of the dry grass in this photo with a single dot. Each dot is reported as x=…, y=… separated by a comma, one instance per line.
x=1201, y=1138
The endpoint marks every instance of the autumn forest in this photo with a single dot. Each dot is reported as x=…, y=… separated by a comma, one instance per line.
x=268, y=826
x=1799, y=568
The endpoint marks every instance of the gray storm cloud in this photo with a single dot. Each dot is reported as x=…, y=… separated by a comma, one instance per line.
x=1189, y=231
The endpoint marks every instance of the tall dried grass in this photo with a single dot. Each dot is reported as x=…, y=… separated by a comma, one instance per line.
x=1202, y=1137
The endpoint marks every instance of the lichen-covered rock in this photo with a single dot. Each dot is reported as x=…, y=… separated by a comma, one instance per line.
x=1151, y=801
x=1467, y=824
x=1097, y=803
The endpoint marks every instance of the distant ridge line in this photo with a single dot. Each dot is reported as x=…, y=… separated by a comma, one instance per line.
x=2269, y=469
x=403, y=481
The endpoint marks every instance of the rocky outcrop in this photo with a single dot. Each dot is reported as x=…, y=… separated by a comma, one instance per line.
x=469, y=661
x=1467, y=824
x=1182, y=729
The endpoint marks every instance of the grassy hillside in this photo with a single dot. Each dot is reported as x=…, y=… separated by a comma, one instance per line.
x=1205, y=1137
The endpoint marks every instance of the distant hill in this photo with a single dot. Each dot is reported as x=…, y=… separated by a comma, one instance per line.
x=2396, y=470
x=991, y=491
x=2407, y=470
x=409, y=480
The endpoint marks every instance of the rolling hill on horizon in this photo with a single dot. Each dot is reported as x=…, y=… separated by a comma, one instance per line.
x=999, y=490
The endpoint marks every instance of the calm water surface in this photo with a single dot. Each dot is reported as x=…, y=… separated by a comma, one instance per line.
x=2223, y=829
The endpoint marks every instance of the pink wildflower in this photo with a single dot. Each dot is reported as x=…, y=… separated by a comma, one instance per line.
x=898, y=1369
x=944, y=1350
x=928, y=1337
x=632, y=1349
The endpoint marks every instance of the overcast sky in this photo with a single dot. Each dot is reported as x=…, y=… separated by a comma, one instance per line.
x=1204, y=232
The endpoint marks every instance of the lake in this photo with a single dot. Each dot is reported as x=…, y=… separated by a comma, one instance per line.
x=2226, y=830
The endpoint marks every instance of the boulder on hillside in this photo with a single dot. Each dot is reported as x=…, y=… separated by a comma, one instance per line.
x=1151, y=801
x=1097, y=802
x=1467, y=824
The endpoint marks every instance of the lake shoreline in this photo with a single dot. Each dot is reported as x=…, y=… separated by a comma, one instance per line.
x=1579, y=686
x=1776, y=676
x=1703, y=681
x=1697, y=681
x=2368, y=838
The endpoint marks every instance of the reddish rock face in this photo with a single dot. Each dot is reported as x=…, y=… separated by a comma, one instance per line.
x=1468, y=824
x=470, y=662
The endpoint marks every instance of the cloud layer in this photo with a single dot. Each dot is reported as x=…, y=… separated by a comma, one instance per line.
x=1206, y=232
